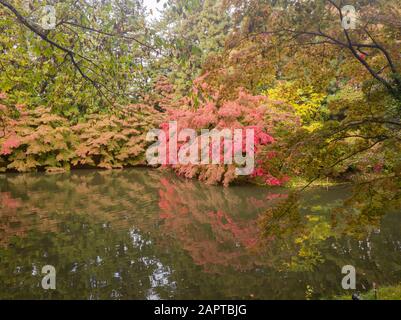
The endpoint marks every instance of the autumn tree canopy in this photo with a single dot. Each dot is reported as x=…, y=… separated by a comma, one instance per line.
x=328, y=95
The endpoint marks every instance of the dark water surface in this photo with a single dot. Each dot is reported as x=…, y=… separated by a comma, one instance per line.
x=142, y=234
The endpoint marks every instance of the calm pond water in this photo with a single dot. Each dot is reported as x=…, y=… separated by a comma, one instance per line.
x=143, y=234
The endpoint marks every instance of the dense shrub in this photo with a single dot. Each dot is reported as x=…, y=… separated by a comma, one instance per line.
x=115, y=141
x=207, y=110
x=37, y=139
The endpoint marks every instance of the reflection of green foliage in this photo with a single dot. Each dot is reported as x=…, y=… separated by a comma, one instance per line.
x=368, y=203
x=308, y=255
x=89, y=258
x=312, y=229
x=297, y=230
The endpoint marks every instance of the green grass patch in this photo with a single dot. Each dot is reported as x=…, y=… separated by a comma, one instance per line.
x=297, y=182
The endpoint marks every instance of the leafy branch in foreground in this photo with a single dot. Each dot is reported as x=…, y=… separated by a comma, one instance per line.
x=107, y=46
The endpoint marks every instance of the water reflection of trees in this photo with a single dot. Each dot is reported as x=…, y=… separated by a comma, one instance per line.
x=142, y=234
x=83, y=223
x=218, y=227
x=319, y=232
x=103, y=196
x=92, y=262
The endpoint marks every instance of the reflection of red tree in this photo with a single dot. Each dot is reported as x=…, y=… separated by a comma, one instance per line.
x=6, y=201
x=245, y=234
x=165, y=205
x=261, y=203
x=201, y=222
x=10, y=224
x=17, y=218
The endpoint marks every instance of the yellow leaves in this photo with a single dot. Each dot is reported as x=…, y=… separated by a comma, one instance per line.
x=26, y=164
x=50, y=118
x=113, y=141
x=123, y=155
x=306, y=102
x=108, y=162
x=130, y=152
x=314, y=126
x=37, y=148
x=65, y=155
